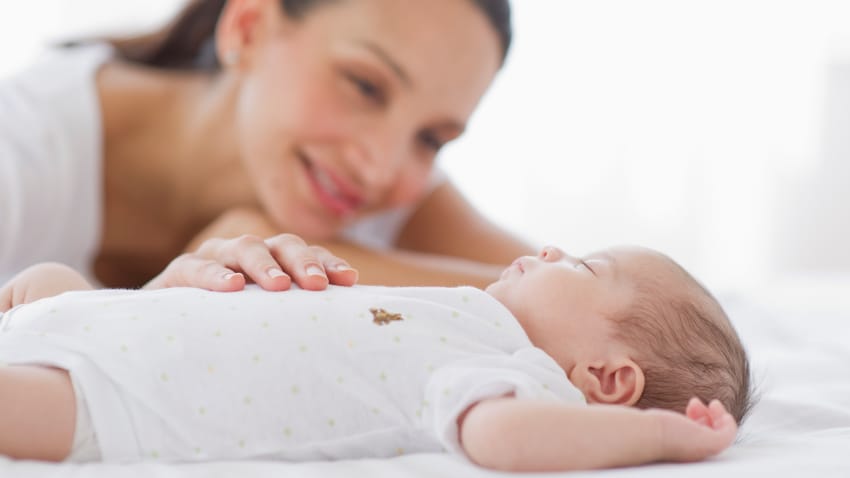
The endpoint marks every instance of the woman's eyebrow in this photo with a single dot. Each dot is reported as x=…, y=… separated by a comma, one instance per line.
x=388, y=60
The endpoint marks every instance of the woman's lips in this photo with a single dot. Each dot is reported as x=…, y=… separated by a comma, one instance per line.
x=332, y=193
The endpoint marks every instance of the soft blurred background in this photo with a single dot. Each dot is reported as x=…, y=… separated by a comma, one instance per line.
x=717, y=131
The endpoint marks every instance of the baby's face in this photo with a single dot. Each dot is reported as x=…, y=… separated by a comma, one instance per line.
x=564, y=303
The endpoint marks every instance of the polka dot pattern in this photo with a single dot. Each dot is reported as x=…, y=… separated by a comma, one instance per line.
x=295, y=374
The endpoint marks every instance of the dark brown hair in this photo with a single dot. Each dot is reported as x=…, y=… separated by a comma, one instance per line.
x=188, y=42
x=686, y=347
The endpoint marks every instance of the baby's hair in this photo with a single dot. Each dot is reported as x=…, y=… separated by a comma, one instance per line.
x=685, y=345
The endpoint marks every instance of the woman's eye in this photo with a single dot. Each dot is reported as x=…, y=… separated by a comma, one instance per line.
x=431, y=142
x=366, y=88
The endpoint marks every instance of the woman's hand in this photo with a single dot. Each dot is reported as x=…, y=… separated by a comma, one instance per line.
x=40, y=281
x=703, y=431
x=227, y=264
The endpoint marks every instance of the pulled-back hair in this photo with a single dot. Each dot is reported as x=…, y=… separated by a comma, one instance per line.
x=188, y=42
x=686, y=347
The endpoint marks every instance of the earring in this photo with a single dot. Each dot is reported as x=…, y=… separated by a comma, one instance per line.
x=231, y=58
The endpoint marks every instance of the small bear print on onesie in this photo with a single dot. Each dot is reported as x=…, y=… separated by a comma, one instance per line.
x=382, y=317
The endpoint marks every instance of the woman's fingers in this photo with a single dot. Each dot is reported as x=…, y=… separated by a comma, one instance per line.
x=211, y=275
x=299, y=260
x=341, y=274
x=251, y=255
x=311, y=267
x=190, y=270
x=338, y=271
x=227, y=264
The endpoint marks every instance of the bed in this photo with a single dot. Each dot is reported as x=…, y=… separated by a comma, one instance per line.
x=798, y=335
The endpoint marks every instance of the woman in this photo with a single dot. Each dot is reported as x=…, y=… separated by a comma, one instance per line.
x=321, y=119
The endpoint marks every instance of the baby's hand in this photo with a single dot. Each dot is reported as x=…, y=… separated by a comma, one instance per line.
x=226, y=264
x=40, y=281
x=703, y=431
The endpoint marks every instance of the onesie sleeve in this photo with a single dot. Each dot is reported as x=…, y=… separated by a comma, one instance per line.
x=528, y=374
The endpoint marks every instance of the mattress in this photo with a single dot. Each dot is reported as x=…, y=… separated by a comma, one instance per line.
x=797, y=332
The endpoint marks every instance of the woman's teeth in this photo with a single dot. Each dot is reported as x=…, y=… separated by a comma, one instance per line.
x=327, y=184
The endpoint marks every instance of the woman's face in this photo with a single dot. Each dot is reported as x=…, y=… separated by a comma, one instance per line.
x=341, y=113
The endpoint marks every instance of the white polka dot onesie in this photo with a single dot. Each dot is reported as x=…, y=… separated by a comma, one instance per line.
x=185, y=374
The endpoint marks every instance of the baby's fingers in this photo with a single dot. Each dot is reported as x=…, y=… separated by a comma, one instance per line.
x=696, y=410
x=720, y=417
x=716, y=409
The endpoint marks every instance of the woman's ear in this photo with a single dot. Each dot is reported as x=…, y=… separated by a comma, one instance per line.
x=242, y=27
x=616, y=382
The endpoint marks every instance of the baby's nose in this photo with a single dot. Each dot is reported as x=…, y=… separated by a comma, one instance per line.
x=551, y=254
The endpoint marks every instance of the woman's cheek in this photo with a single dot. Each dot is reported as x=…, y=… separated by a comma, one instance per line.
x=410, y=187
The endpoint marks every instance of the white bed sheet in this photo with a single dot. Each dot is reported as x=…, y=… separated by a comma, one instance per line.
x=798, y=335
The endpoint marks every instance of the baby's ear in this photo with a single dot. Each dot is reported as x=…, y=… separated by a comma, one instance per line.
x=615, y=382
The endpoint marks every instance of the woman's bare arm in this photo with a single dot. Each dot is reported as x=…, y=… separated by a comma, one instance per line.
x=375, y=267
x=446, y=242
x=447, y=224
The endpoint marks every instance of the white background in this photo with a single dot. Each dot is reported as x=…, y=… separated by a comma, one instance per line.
x=716, y=131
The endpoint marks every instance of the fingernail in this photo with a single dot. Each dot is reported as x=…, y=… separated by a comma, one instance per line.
x=315, y=271
x=343, y=267
x=229, y=275
x=274, y=273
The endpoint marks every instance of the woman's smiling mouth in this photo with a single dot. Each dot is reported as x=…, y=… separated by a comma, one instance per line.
x=332, y=193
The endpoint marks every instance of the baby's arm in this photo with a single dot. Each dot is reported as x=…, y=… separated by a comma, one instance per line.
x=38, y=412
x=40, y=281
x=525, y=435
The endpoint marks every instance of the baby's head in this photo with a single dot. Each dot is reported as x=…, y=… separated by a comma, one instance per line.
x=629, y=326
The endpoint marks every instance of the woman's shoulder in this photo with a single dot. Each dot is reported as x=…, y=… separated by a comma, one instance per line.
x=58, y=70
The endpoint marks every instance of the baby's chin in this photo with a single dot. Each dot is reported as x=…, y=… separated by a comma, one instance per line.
x=497, y=291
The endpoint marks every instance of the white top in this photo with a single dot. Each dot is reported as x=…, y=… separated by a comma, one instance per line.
x=51, y=163
x=186, y=374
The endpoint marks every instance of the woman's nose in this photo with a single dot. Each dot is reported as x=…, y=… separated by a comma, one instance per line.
x=551, y=254
x=377, y=168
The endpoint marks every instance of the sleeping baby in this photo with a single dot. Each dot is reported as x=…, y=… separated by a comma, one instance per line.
x=615, y=359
